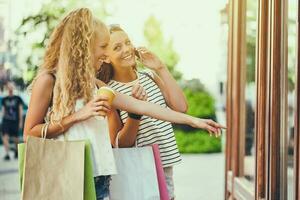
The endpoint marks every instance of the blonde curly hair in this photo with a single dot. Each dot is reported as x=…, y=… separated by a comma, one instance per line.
x=68, y=57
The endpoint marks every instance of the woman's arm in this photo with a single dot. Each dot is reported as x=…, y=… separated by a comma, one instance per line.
x=170, y=88
x=39, y=103
x=129, y=104
x=127, y=133
x=38, y=106
x=164, y=80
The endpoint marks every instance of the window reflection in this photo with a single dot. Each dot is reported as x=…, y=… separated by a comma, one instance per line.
x=250, y=94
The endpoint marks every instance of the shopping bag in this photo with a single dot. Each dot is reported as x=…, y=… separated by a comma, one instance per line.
x=136, y=178
x=89, y=185
x=52, y=169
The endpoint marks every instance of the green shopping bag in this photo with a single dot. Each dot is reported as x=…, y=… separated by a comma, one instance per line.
x=89, y=185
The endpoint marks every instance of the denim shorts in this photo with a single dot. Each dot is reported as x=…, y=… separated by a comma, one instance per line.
x=102, y=186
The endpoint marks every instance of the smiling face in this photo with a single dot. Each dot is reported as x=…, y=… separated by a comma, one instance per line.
x=121, y=51
x=100, y=44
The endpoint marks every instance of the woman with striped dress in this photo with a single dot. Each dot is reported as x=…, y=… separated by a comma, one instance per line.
x=155, y=85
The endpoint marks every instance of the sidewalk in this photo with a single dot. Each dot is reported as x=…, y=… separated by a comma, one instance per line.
x=198, y=177
x=9, y=185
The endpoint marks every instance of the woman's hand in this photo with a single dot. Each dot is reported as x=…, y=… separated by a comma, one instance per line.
x=149, y=59
x=96, y=107
x=139, y=92
x=211, y=126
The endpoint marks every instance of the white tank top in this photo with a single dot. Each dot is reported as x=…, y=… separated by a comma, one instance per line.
x=97, y=132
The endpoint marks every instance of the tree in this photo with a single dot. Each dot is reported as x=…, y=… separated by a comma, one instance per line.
x=44, y=23
x=37, y=29
x=162, y=48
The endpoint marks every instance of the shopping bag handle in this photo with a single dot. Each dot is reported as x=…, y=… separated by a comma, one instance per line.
x=45, y=130
x=117, y=141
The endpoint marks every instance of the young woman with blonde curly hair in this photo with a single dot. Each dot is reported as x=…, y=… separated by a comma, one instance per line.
x=63, y=89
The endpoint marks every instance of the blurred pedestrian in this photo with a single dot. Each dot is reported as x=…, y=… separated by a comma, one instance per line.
x=12, y=110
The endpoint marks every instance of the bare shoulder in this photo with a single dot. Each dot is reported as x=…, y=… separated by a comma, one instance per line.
x=44, y=80
x=44, y=84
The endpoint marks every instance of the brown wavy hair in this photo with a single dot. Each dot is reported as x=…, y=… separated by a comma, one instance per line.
x=68, y=58
x=106, y=71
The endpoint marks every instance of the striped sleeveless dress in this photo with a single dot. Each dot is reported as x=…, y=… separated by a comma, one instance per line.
x=151, y=131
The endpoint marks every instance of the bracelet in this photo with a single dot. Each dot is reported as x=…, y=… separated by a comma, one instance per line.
x=135, y=116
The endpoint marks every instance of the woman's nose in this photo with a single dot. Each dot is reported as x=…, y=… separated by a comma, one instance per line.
x=127, y=49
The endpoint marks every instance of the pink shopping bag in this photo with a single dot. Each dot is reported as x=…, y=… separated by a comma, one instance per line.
x=163, y=191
